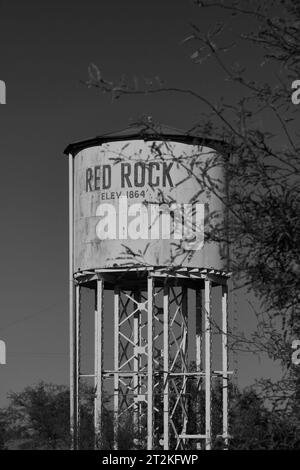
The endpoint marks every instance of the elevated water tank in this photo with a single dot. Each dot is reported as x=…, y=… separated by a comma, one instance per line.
x=149, y=196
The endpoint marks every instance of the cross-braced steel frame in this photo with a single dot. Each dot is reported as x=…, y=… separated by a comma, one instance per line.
x=165, y=399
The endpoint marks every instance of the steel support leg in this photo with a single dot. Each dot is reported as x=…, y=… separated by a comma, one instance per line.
x=184, y=359
x=136, y=366
x=75, y=372
x=225, y=363
x=150, y=364
x=116, y=366
x=207, y=364
x=73, y=376
x=198, y=357
x=166, y=367
x=98, y=364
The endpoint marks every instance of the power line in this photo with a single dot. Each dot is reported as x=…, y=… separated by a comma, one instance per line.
x=27, y=317
x=15, y=353
x=42, y=353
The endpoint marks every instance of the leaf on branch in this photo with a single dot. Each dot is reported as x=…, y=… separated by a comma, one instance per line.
x=148, y=81
x=136, y=82
x=94, y=72
x=159, y=81
x=189, y=38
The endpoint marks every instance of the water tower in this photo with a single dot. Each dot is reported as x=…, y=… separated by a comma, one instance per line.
x=147, y=210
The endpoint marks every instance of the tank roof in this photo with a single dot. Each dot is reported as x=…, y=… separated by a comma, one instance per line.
x=148, y=131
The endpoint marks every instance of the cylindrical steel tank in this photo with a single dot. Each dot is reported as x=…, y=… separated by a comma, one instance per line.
x=149, y=199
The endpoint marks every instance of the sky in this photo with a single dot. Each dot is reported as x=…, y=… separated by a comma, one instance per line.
x=45, y=50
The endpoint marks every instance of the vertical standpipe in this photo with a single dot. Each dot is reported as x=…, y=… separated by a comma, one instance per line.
x=72, y=323
x=163, y=311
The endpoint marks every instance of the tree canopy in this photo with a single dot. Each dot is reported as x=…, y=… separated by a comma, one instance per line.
x=256, y=49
